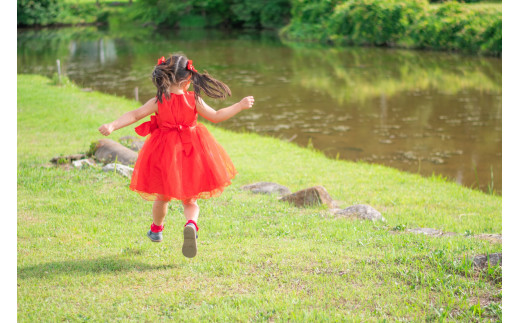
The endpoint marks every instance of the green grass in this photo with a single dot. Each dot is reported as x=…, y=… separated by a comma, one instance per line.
x=83, y=254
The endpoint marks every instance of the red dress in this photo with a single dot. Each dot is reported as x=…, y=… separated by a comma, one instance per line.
x=180, y=159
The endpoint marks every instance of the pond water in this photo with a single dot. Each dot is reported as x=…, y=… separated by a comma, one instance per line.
x=422, y=112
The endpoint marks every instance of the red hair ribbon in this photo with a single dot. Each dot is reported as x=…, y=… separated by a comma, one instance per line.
x=161, y=60
x=190, y=66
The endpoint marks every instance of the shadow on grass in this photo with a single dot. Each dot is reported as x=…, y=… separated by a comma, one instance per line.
x=105, y=265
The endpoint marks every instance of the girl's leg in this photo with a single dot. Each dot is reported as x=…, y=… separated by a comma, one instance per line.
x=191, y=209
x=191, y=212
x=159, y=210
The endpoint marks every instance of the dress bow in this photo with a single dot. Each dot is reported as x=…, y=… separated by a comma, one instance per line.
x=184, y=132
x=147, y=127
x=185, y=135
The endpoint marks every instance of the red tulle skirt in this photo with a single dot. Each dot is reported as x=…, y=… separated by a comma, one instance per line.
x=169, y=166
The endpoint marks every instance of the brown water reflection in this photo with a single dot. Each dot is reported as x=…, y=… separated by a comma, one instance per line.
x=422, y=112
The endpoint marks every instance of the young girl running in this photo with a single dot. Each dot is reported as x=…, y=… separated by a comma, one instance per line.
x=180, y=159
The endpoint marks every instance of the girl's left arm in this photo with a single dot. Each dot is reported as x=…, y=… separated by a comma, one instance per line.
x=210, y=114
x=129, y=117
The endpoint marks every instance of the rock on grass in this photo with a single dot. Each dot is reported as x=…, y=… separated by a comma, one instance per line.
x=266, y=188
x=108, y=150
x=132, y=142
x=431, y=232
x=121, y=169
x=315, y=195
x=482, y=261
x=360, y=211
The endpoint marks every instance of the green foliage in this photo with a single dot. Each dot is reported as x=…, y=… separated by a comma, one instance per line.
x=92, y=149
x=212, y=13
x=375, y=22
x=61, y=80
x=402, y=23
x=399, y=227
x=454, y=26
x=54, y=12
x=41, y=12
x=161, y=12
x=463, y=1
x=309, y=19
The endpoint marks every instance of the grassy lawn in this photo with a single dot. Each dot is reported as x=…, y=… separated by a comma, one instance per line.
x=83, y=254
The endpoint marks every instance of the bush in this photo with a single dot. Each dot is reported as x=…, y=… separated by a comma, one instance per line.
x=213, y=13
x=41, y=12
x=49, y=12
x=453, y=26
x=405, y=23
x=374, y=22
x=465, y=1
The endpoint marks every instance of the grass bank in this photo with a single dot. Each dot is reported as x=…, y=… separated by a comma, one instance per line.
x=83, y=254
x=450, y=26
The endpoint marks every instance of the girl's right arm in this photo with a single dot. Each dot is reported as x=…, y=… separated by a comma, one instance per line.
x=129, y=117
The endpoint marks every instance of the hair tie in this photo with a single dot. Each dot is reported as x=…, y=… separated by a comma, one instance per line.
x=161, y=61
x=190, y=66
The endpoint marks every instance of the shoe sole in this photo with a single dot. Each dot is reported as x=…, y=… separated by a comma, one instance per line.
x=152, y=239
x=189, y=247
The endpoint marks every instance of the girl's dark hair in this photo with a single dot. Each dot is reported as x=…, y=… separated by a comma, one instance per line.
x=173, y=71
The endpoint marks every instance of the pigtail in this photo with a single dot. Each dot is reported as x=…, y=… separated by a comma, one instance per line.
x=163, y=78
x=210, y=86
x=176, y=69
x=161, y=81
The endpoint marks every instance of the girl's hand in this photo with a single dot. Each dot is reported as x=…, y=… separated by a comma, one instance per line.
x=106, y=129
x=247, y=102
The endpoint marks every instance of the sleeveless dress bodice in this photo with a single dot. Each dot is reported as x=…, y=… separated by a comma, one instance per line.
x=180, y=159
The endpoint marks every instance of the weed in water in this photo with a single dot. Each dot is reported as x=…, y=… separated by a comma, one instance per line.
x=491, y=185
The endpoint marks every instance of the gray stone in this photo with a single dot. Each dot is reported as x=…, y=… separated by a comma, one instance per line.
x=431, y=232
x=132, y=142
x=107, y=151
x=360, y=211
x=316, y=195
x=83, y=162
x=482, y=261
x=266, y=188
x=121, y=169
x=495, y=238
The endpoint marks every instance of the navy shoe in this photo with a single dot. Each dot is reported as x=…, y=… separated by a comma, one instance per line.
x=189, y=247
x=154, y=236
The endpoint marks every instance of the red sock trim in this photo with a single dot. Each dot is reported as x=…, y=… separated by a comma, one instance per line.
x=195, y=223
x=156, y=228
